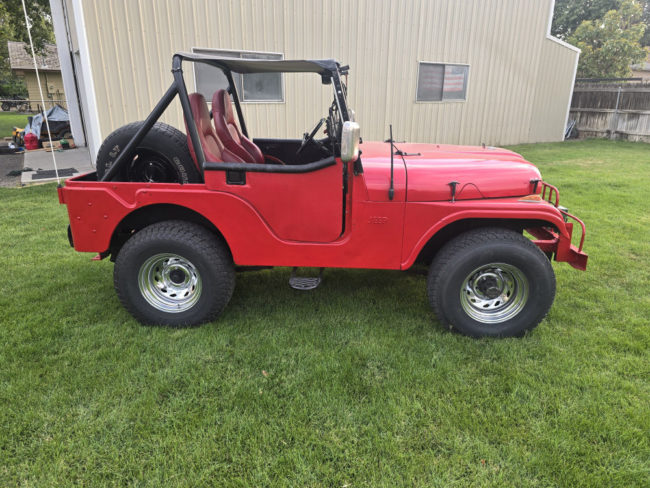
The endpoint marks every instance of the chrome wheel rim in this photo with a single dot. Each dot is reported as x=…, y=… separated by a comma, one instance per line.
x=169, y=283
x=494, y=293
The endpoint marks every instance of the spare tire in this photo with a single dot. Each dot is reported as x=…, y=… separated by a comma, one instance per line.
x=161, y=157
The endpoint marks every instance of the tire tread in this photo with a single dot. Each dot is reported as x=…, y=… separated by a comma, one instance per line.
x=210, y=246
x=451, y=251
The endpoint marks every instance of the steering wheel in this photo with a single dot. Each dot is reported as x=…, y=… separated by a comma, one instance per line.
x=307, y=138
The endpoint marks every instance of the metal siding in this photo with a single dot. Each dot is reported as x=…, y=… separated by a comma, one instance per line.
x=551, y=99
x=519, y=80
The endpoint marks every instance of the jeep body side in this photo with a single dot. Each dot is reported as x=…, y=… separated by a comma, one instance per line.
x=298, y=220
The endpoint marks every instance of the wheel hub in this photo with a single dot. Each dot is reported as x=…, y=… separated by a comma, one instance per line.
x=489, y=284
x=169, y=283
x=178, y=275
x=154, y=171
x=151, y=167
x=494, y=293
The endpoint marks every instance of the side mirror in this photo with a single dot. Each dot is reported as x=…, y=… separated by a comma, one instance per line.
x=350, y=141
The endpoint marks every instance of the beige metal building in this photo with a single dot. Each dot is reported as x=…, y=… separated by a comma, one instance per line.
x=448, y=71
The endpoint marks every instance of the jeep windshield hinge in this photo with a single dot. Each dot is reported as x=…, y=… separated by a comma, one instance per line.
x=535, y=182
x=453, y=185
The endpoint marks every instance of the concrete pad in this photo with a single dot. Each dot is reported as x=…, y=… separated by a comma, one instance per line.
x=10, y=167
x=71, y=162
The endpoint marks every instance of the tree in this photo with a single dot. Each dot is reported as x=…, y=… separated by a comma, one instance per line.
x=569, y=14
x=645, y=41
x=611, y=44
x=13, y=28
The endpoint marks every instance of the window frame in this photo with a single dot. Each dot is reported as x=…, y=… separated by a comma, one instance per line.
x=215, y=51
x=444, y=64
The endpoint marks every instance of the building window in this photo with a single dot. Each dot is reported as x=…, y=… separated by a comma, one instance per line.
x=251, y=87
x=439, y=82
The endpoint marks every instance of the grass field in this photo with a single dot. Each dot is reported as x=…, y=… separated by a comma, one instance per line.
x=354, y=384
x=9, y=120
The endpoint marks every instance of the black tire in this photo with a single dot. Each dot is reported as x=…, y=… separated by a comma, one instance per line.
x=491, y=282
x=154, y=254
x=5, y=106
x=162, y=157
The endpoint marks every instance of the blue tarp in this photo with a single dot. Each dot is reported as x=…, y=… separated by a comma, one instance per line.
x=55, y=114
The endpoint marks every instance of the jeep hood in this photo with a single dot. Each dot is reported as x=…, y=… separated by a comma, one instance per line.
x=480, y=172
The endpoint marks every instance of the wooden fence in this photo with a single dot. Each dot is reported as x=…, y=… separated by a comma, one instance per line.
x=615, y=111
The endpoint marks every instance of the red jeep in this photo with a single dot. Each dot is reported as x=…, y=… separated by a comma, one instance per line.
x=178, y=212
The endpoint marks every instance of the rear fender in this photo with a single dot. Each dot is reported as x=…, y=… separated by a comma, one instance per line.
x=100, y=212
x=151, y=214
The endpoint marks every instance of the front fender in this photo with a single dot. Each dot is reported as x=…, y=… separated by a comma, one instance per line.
x=423, y=220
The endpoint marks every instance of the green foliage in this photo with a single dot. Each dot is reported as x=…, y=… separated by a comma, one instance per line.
x=611, y=44
x=645, y=41
x=13, y=28
x=354, y=384
x=569, y=14
x=11, y=86
x=13, y=19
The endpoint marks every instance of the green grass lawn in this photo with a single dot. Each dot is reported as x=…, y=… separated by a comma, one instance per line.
x=354, y=384
x=9, y=120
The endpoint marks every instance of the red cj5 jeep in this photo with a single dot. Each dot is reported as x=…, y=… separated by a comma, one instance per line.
x=176, y=213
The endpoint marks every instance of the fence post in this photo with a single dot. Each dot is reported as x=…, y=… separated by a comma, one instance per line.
x=613, y=126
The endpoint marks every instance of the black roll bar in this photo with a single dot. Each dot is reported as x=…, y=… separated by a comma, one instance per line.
x=178, y=88
x=184, y=98
x=129, y=149
x=235, y=97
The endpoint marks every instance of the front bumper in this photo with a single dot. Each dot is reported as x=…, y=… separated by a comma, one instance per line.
x=559, y=243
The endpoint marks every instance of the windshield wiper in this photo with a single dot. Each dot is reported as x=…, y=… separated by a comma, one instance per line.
x=398, y=151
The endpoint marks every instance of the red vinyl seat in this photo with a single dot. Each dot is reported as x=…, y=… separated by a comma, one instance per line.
x=213, y=149
x=229, y=133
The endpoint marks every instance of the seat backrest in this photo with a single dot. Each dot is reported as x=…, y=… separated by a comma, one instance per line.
x=228, y=131
x=212, y=146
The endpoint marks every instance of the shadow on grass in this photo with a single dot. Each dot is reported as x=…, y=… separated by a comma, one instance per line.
x=379, y=301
